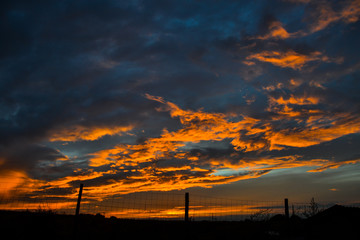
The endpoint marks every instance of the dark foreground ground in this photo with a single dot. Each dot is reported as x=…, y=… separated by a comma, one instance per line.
x=334, y=223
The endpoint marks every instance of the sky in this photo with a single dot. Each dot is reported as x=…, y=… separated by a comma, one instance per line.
x=247, y=99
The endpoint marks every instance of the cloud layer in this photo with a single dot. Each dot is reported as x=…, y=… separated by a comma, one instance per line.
x=160, y=96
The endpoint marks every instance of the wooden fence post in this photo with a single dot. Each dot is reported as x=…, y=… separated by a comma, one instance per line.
x=79, y=200
x=286, y=208
x=186, y=207
x=77, y=212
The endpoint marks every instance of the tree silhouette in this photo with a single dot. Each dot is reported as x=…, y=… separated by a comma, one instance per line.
x=312, y=209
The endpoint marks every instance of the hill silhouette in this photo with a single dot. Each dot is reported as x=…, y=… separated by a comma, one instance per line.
x=336, y=222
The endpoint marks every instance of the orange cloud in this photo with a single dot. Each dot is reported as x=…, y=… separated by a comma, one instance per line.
x=284, y=107
x=314, y=133
x=318, y=126
x=271, y=88
x=164, y=163
x=202, y=126
x=326, y=15
x=294, y=100
x=104, y=157
x=249, y=63
x=77, y=133
x=351, y=12
x=150, y=181
x=334, y=165
x=65, y=182
x=277, y=31
x=268, y=163
x=323, y=16
x=289, y=59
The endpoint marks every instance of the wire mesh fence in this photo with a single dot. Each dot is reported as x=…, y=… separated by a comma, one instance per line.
x=171, y=206
x=158, y=205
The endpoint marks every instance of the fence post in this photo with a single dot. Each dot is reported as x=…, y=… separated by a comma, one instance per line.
x=79, y=200
x=77, y=212
x=186, y=207
x=286, y=208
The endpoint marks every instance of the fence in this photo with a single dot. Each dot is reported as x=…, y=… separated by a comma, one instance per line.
x=172, y=206
x=159, y=206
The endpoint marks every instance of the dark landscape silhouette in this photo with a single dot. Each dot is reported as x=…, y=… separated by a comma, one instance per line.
x=336, y=222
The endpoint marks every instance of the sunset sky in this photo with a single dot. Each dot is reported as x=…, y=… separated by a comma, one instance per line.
x=244, y=99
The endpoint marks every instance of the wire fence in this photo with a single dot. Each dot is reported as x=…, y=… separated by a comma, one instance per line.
x=157, y=205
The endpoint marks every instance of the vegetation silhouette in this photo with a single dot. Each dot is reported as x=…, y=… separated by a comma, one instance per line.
x=311, y=210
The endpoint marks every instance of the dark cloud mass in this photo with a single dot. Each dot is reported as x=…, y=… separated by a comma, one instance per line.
x=164, y=95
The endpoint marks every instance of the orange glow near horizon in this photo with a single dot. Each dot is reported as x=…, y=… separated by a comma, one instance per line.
x=196, y=211
x=10, y=181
